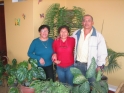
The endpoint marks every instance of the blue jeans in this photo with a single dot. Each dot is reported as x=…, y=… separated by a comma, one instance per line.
x=83, y=69
x=65, y=75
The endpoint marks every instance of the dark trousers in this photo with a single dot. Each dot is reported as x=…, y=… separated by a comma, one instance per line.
x=83, y=69
x=49, y=72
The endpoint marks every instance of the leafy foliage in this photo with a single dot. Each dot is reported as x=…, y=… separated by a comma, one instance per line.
x=2, y=69
x=13, y=90
x=23, y=74
x=92, y=69
x=99, y=75
x=82, y=83
x=75, y=71
x=49, y=87
x=112, y=61
x=84, y=88
x=78, y=79
x=57, y=16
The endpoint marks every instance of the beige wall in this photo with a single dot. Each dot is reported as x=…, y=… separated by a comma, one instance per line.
x=41, y=8
x=20, y=37
x=112, y=12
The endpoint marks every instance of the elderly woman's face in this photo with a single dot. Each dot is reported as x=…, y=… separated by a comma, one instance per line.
x=44, y=33
x=63, y=33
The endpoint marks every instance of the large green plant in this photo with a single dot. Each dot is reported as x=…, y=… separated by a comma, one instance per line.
x=50, y=87
x=112, y=61
x=2, y=69
x=57, y=16
x=83, y=85
x=24, y=75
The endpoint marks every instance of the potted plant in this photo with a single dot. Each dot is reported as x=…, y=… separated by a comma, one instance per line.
x=25, y=75
x=50, y=87
x=57, y=16
x=82, y=83
x=2, y=69
x=112, y=63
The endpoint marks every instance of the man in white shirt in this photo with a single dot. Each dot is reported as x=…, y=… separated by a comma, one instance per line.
x=89, y=43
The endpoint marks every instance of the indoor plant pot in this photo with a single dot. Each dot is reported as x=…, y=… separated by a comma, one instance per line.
x=24, y=89
x=25, y=75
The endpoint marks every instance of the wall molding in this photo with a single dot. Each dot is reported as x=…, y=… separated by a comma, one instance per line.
x=112, y=87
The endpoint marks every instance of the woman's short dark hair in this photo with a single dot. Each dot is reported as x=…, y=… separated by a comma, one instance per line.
x=44, y=26
x=64, y=26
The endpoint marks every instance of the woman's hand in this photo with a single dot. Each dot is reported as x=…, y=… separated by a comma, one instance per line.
x=57, y=61
x=54, y=57
x=42, y=62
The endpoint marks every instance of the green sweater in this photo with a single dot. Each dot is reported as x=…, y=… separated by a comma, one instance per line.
x=37, y=50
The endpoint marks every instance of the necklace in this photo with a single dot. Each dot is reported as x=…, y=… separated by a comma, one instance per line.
x=44, y=44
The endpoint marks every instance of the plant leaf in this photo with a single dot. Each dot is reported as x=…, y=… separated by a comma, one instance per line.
x=75, y=71
x=99, y=75
x=92, y=69
x=85, y=87
x=79, y=79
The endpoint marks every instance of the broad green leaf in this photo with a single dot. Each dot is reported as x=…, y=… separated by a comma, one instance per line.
x=41, y=72
x=21, y=74
x=75, y=71
x=97, y=87
x=11, y=80
x=94, y=90
x=104, y=90
x=35, y=72
x=104, y=84
x=92, y=69
x=99, y=75
x=79, y=79
x=85, y=87
x=2, y=70
x=33, y=62
x=75, y=89
x=7, y=68
x=23, y=64
x=14, y=63
x=29, y=75
x=13, y=71
x=13, y=90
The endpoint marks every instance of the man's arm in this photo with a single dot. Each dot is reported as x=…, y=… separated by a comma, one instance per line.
x=102, y=51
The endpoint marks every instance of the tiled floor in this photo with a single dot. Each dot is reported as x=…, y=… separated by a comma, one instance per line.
x=4, y=88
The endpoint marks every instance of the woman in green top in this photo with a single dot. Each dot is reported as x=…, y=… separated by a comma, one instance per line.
x=41, y=49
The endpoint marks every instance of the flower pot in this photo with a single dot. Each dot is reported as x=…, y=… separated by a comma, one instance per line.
x=104, y=78
x=24, y=89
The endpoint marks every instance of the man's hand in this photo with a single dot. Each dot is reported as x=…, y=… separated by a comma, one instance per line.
x=98, y=68
x=42, y=62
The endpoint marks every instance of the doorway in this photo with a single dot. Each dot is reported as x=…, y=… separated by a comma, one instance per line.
x=3, y=50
